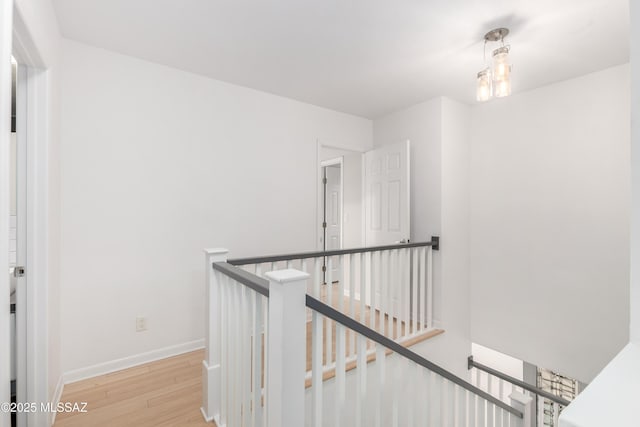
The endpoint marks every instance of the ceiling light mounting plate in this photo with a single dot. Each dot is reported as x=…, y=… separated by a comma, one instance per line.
x=496, y=35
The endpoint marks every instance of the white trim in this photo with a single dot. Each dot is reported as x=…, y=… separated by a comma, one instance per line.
x=335, y=147
x=332, y=162
x=37, y=284
x=35, y=123
x=6, y=16
x=57, y=396
x=22, y=162
x=131, y=361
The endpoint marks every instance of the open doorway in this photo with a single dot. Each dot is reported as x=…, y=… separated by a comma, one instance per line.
x=332, y=215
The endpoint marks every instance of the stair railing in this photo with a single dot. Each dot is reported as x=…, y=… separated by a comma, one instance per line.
x=255, y=373
x=501, y=385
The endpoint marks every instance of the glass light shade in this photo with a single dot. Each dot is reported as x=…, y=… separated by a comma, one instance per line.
x=501, y=72
x=483, y=92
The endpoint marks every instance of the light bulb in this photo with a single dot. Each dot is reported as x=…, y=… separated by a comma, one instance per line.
x=483, y=92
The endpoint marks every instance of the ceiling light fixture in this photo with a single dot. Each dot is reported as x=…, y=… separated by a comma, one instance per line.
x=495, y=80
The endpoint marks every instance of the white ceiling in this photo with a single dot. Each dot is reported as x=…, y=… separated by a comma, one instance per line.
x=365, y=57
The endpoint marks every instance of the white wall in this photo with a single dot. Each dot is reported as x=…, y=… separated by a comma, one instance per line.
x=454, y=243
x=156, y=165
x=550, y=223
x=494, y=359
x=421, y=124
x=438, y=131
x=635, y=170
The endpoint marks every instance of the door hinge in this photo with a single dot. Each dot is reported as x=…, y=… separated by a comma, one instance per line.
x=324, y=180
x=324, y=268
x=324, y=224
x=18, y=271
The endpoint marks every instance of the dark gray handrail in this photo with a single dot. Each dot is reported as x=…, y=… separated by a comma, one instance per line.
x=434, y=243
x=473, y=364
x=358, y=327
x=254, y=282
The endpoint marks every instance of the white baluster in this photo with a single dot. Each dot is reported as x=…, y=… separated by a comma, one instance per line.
x=237, y=341
x=352, y=301
x=556, y=414
x=374, y=269
x=211, y=369
x=429, y=320
x=341, y=285
x=505, y=418
x=406, y=286
x=426, y=390
x=490, y=384
x=380, y=364
x=473, y=414
x=363, y=289
x=361, y=373
x=265, y=397
x=414, y=289
x=396, y=376
x=316, y=370
x=422, y=301
x=257, y=360
x=490, y=407
x=481, y=408
x=461, y=407
x=340, y=373
x=304, y=268
x=436, y=397
x=397, y=287
x=384, y=293
x=287, y=347
x=412, y=395
x=329, y=322
x=317, y=281
x=451, y=403
x=246, y=355
x=392, y=284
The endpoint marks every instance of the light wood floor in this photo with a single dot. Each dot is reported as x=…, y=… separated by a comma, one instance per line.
x=166, y=393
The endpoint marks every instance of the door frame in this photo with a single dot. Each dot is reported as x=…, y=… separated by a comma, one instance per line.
x=32, y=132
x=6, y=18
x=323, y=205
x=319, y=202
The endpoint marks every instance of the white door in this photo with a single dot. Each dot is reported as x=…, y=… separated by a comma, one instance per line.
x=332, y=221
x=387, y=186
x=387, y=217
x=333, y=207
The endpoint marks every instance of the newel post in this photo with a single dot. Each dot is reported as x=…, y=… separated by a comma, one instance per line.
x=211, y=370
x=524, y=404
x=286, y=348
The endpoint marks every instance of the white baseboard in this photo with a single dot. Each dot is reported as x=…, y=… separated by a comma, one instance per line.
x=131, y=361
x=57, y=395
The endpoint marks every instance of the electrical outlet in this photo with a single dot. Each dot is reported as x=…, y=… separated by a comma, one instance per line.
x=141, y=324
